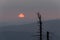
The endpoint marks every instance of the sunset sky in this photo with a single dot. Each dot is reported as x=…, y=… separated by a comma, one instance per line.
x=9, y=10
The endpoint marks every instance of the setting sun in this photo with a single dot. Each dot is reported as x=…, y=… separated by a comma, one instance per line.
x=21, y=15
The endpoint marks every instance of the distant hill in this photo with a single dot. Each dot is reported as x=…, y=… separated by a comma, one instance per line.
x=25, y=32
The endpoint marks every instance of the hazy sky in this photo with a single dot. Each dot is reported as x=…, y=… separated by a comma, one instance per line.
x=9, y=10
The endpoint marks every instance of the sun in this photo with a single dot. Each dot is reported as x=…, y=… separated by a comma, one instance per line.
x=21, y=15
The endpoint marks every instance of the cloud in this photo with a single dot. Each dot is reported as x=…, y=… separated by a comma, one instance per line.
x=9, y=7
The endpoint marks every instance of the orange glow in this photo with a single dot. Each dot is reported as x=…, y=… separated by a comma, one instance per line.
x=21, y=15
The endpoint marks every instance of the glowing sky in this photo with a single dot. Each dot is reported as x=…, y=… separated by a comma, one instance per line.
x=9, y=9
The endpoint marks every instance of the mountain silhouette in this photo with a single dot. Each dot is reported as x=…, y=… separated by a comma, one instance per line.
x=27, y=31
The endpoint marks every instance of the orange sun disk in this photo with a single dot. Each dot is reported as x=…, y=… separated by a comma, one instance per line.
x=21, y=15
